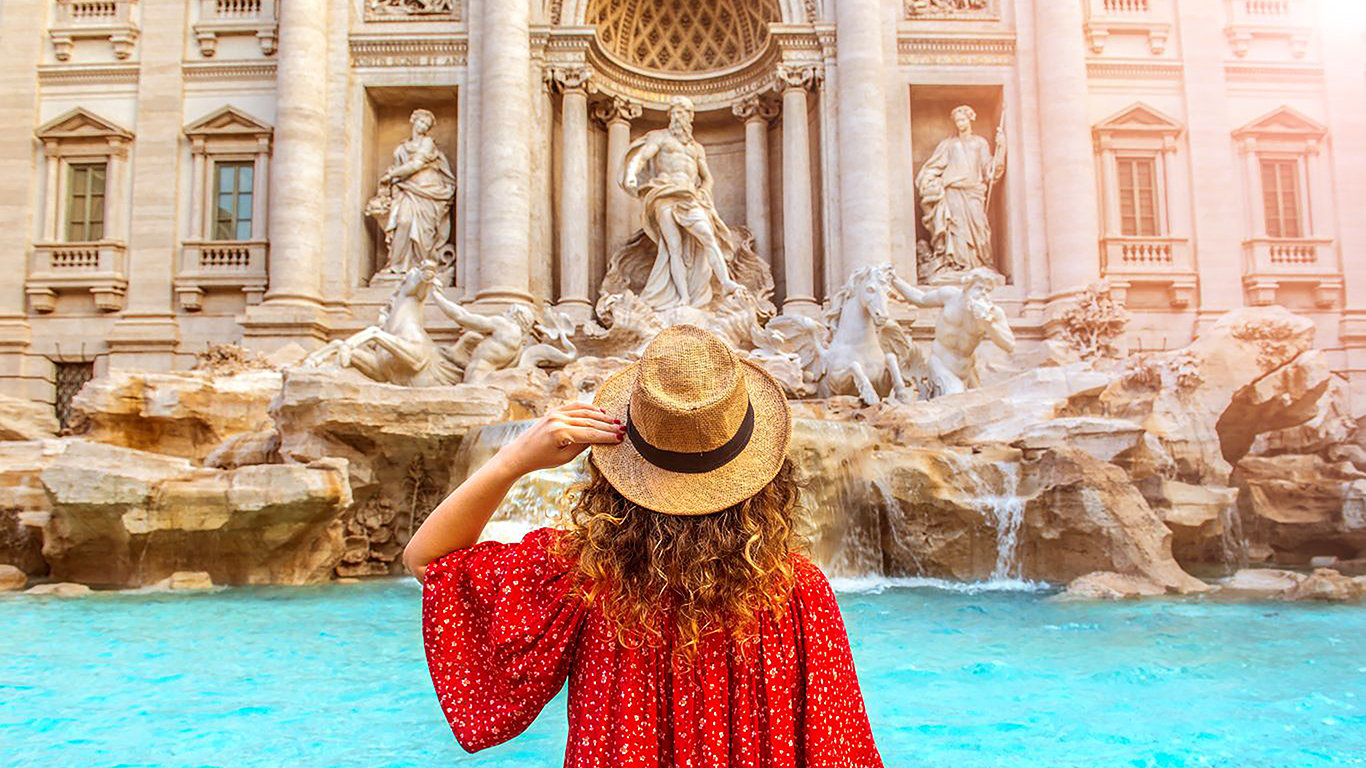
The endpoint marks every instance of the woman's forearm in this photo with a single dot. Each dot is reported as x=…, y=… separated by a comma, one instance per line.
x=459, y=519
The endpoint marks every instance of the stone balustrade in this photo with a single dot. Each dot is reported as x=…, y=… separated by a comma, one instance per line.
x=219, y=18
x=99, y=266
x=1105, y=18
x=93, y=19
x=1271, y=262
x=1284, y=19
x=208, y=264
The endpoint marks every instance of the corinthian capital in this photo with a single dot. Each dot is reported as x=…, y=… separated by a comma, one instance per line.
x=755, y=107
x=616, y=109
x=798, y=76
x=569, y=77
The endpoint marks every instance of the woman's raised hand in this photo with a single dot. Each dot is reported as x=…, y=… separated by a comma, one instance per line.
x=560, y=435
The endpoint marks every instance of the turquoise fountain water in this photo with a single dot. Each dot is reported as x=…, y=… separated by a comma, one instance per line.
x=965, y=677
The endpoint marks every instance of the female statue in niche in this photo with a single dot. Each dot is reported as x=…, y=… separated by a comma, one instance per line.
x=414, y=201
x=954, y=187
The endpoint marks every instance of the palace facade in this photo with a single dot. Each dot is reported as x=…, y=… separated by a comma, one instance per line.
x=175, y=173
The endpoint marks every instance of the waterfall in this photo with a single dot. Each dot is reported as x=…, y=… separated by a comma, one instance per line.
x=1232, y=536
x=1007, y=510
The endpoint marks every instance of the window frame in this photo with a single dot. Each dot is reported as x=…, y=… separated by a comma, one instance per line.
x=216, y=192
x=69, y=197
x=1153, y=161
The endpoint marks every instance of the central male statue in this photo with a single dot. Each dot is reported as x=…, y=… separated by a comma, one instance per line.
x=694, y=244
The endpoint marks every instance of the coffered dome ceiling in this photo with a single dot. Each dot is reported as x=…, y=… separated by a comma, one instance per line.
x=683, y=36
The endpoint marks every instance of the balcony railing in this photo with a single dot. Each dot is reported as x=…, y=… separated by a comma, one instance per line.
x=1106, y=18
x=1271, y=262
x=99, y=266
x=1249, y=19
x=1153, y=261
x=219, y=18
x=210, y=264
x=93, y=19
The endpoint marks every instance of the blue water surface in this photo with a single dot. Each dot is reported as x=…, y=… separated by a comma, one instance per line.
x=335, y=676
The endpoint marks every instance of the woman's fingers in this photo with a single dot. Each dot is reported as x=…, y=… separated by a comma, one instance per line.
x=598, y=421
x=590, y=436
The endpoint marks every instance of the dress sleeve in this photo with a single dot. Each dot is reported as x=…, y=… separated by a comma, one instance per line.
x=834, y=726
x=499, y=628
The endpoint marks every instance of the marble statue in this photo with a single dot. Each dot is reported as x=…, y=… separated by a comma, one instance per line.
x=490, y=342
x=859, y=350
x=944, y=7
x=397, y=348
x=667, y=169
x=414, y=201
x=954, y=187
x=557, y=349
x=969, y=316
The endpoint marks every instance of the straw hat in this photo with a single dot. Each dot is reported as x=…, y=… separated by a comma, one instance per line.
x=705, y=429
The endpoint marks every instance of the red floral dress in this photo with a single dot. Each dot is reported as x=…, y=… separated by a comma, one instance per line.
x=502, y=634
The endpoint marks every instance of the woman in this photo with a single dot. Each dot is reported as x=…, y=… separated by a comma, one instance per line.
x=690, y=631
x=420, y=189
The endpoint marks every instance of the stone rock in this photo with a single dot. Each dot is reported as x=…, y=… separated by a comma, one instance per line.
x=188, y=580
x=1108, y=585
x=59, y=589
x=11, y=578
x=1326, y=584
x=947, y=511
x=1260, y=582
x=580, y=379
x=1196, y=515
x=1281, y=399
x=128, y=518
x=1302, y=507
x=186, y=414
x=995, y=413
x=378, y=428
x=245, y=449
x=401, y=445
x=26, y=419
x=24, y=506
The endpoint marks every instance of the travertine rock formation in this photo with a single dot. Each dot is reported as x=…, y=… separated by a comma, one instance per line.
x=121, y=517
x=25, y=419
x=185, y=414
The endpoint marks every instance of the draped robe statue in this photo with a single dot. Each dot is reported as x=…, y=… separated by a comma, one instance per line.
x=414, y=199
x=953, y=187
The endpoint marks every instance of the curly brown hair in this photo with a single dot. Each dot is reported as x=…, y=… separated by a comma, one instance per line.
x=720, y=570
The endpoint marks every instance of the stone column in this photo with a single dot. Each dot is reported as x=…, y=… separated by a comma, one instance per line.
x=757, y=112
x=21, y=374
x=798, y=236
x=865, y=189
x=147, y=334
x=1343, y=39
x=1069, y=178
x=296, y=217
x=572, y=83
x=504, y=154
x=617, y=115
x=1217, y=241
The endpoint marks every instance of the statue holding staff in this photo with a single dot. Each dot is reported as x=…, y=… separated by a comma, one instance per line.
x=954, y=188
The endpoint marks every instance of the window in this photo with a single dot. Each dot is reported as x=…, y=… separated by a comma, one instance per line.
x=1138, y=196
x=85, y=202
x=233, y=190
x=1281, y=198
x=70, y=378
